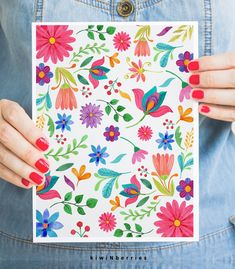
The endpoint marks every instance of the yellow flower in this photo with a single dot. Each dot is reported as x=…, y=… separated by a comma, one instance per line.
x=184, y=115
x=113, y=59
x=115, y=203
x=81, y=175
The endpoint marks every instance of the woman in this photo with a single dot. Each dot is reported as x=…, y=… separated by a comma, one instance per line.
x=22, y=145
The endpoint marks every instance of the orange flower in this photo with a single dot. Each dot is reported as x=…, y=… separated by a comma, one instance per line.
x=115, y=203
x=184, y=115
x=163, y=164
x=142, y=48
x=81, y=175
x=113, y=59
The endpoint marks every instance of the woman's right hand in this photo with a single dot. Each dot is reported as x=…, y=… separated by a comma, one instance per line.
x=21, y=147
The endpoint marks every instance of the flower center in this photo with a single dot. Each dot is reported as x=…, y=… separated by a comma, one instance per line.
x=177, y=223
x=41, y=74
x=111, y=133
x=97, y=154
x=52, y=40
x=165, y=140
x=133, y=192
x=150, y=105
x=45, y=225
x=91, y=114
x=107, y=221
x=186, y=62
x=187, y=188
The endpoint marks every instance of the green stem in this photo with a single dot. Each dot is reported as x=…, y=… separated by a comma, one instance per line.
x=68, y=203
x=148, y=193
x=134, y=232
x=128, y=141
x=138, y=121
x=100, y=100
x=172, y=73
x=81, y=69
x=91, y=30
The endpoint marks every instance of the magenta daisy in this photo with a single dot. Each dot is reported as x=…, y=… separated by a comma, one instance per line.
x=145, y=133
x=43, y=74
x=91, y=115
x=184, y=59
x=107, y=222
x=121, y=41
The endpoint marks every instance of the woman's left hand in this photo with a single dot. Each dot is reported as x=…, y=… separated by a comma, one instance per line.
x=213, y=82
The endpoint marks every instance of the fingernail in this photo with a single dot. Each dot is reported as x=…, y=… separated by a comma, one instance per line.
x=198, y=94
x=194, y=79
x=42, y=143
x=193, y=66
x=25, y=182
x=36, y=178
x=205, y=109
x=42, y=165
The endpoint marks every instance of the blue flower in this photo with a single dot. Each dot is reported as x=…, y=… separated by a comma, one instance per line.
x=46, y=224
x=64, y=122
x=165, y=141
x=98, y=155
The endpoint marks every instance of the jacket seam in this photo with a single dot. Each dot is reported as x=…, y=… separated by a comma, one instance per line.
x=166, y=247
x=208, y=28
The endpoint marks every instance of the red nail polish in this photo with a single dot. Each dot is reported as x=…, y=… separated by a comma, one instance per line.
x=42, y=166
x=42, y=143
x=25, y=182
x=198, y=94
x=194, y=79
x=193, y=66
x=205, y=109
x=36, y=178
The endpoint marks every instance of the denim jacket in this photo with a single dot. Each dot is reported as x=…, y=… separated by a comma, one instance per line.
x=217, y=142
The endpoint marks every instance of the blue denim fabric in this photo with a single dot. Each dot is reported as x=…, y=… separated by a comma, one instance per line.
x=216, y=248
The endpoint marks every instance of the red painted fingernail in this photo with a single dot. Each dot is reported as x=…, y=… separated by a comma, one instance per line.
x=36, y=178
x=194, y=79
x=198, y=94
x=42, y=166
x=25, y=182
x=42, y=143
x=193, y=66
x=205, y=109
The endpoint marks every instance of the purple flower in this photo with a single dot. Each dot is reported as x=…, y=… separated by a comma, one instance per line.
x=91, y=115
x=111, y=133
x=184, y=59
x=43, y=74
x=185, y=188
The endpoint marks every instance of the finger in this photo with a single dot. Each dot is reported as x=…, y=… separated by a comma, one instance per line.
x=215, y=62
x=225, y=113
x=215, y=96
x=13, y=178
x=19, y=167
x=17, y=117
x=214, y=79
x=16, y=143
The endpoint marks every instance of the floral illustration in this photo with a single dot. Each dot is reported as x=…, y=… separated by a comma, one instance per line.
x=53, y=42
x=176, y=220
x=121, y=41
x=47, y=224
x=107, y=222
x=185, y=188
x=64, y=122
x=111, y=133
x=115, y=203
x=43, y=74
x=81, y=232
x=91, y=115
x=142, y=38
x=145, y=133
x=165, y=141
x=113, y=59
x=98, y=155
x=184, y=59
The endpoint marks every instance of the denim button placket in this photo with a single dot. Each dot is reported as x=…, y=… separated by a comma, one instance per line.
x=125, y=8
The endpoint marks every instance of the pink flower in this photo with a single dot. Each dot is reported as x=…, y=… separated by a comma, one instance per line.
x=121, y=41
x=107, y=222
x=145, y=133
x=175, y=220
x=138, y=71
x=142, y=48
x=185, y=91
x=163, y=164
x=53, y=42
x=138, y=155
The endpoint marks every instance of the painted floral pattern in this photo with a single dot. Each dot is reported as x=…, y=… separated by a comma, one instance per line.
x=114, y=101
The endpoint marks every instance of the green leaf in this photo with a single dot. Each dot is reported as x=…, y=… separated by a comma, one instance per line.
x=99, y=27
x=129, y=235
x=172, y=189
x=138, y=228
x=164, y=59
x=68, y=209
x=107, y=109
x=68, y=75
x=120, y=108
x=84, y=138
x=118, y=233
x=163, y=46
x=142, y=201
x=57, y=75
x=116, y=117
x=91, y=35
x=91, y=202
x=118, y=158
x=110, y=30
x=86, y=61
x=64, y=167
x=146, y=183
x=127, y=117
x=81, y=211
x=114, y=101
x=82, y=79
x=78, y=198
x=178, y=137
x=51, y=126
x=91, y=26
x=68, y=196
x=160, y=187
x=101, y=36
x=127, y=226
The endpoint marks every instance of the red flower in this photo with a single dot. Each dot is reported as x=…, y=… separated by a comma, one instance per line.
x=107, y=222
x=121, y=41
x=175, y=220
x=145, y=133
x=53, y=42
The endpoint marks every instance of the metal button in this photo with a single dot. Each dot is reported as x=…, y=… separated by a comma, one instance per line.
x=125, y=8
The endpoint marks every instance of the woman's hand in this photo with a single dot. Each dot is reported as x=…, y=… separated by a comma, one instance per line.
x=21, y=144
x=213, y=82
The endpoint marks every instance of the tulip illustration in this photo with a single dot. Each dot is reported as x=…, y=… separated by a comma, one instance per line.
x=150, y=103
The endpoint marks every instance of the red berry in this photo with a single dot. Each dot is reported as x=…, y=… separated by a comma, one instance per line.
x=65, y=139
x=140, y=174
x=62, y=142
x=170, y=121
x=83, y=93
x=58, y=141
x=79, y=224
x=85, y=235
x=57, y=135
x=167, y=127
x=164, y=123
x=119, y=84
x=166, y=120
x=89, y=93
x=116, y=90
x=109, y=92
x=142, y=166
x=106, y=87
x=61, y=135
x=145, y=175
x=110, y=82
x=139, y=169
x=73, y=232
x=87, y=228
